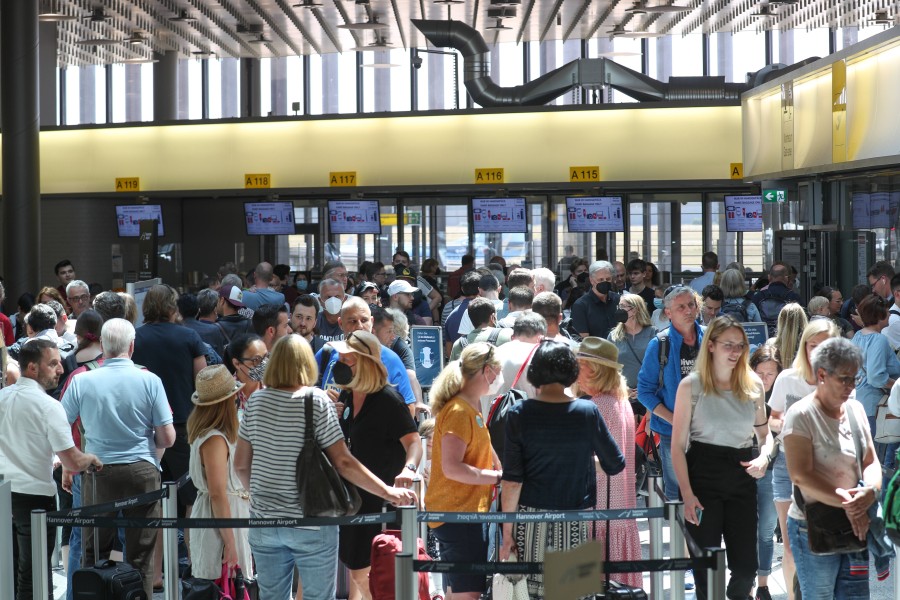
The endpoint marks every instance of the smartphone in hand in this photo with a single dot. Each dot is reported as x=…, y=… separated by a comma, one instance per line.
x=699, y=513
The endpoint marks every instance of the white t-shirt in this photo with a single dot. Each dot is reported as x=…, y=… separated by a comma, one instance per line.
x=892, y=331
x=788, y=389
x=33, y=427
x=834, y=448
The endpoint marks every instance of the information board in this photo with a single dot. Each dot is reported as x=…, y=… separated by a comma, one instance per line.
x=874, y=210
x=499, y=215
x=586, y=214
x=269, y=218
x=129, y=216
x=353, y=216
x=428, y=352
x=743, y=213
x=757, y=334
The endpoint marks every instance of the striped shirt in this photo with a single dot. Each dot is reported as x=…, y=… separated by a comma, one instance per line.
x=274, y=424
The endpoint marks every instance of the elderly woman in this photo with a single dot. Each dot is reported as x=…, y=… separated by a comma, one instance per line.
x=382, y=436
x=631, y=339
x=831, y=458
x=599, y=376
x=790, y=386
x=736, y=303
x=551, y=442
x=718, y=408
x=464, y=467
x=270, y=439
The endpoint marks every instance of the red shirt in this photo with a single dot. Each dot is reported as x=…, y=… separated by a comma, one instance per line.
x=9, y=336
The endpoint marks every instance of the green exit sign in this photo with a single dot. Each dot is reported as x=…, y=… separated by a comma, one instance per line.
x=774, y=195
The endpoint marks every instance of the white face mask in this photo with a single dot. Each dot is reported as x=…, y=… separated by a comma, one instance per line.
x=333, y=305
x=495, y=387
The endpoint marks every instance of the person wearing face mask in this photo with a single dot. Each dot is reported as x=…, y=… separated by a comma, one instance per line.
x=548, y=461
x=331, y=297
x=464, y=467
x=594, y=313
x=249, y=358
x=631, y=337
x=301, y=282
x=382, y=436
x=658, y=318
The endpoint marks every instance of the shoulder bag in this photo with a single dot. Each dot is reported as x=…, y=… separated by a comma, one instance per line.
x=323, y=493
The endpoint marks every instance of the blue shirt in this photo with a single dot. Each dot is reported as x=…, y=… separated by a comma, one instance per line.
x=262, y=296
x=879, y=364
x=120, y=406
x=451, y=326
x=397, y=375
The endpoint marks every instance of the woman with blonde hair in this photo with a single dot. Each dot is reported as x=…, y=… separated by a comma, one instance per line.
x=212, y=433
x=791, y=323
x=718, y=408
x=382, y=436
x=631, y=339
x=790, y=386
x=464, y=467
x=131, y=309
x=270, y=438
x=600, y=377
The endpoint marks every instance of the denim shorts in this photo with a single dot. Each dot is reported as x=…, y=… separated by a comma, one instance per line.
x=782, y=487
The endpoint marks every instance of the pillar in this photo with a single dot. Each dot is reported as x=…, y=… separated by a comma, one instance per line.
x=330, y=86
x=133, y=92
x=382, y=82
x=20, y=123
x=49, y=91
x=437, y=97
x=165, y=91
x=786, y=47
x=229, y=91
x=87, y=94
x=725, y=55
x=664, y=58
x=279, y=75
x=250, y=93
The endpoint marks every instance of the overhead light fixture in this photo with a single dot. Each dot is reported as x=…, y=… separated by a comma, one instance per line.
x=136, y=39
x=52, y=11
x=503, y=3
x=139, y=61
x=377, y=65
x=448, y=2
x=308, y=4
x=498, y=26
x=642, y=9
x=881, y=17
x=98, y=42
x=371, y=24
x=378, y=44
x=183, y=17
x=620, y=31
x=202, y=53
x=261, y=39
x=98, y=15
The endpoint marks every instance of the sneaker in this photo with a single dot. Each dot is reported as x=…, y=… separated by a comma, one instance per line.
x=762, y=593
x=689, y=579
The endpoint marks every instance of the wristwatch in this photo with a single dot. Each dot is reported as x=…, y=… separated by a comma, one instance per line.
x=412, y=467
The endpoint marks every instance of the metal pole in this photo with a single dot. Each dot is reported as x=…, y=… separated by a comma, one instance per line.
x=39, y=563
x=896, y=575
x=6, y=540
x=715, y=579
x=654, y=500
x=676, y=548
x=403, y=590
x=409, y=530
x=170, y=542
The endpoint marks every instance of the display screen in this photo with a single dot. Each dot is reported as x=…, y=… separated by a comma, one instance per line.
x=743, y=213
x=128, y=218
x=269, y=218
x=875, y=210
x=587, y=214
x=499, y=215
x=354, y=216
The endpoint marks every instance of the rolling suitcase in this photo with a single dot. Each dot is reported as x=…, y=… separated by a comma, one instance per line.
x=107, y=579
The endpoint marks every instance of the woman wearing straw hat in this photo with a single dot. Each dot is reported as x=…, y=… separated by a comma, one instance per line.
x=548, y=462
x=382, y=436
x=212, y=432
x=600, y=376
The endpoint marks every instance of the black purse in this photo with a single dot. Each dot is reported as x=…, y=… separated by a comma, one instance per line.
x=323, y=493
x=828, y=529
x=195, y=588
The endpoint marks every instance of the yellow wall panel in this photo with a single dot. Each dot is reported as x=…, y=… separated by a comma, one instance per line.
x=628, y=144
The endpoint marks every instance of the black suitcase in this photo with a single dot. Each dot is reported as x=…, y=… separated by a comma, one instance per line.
x=107, y=579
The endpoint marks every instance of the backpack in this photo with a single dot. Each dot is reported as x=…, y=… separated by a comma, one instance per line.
x=737, y=310
x=492, y=338
x=770, y=306
x=500, y=407
x=663, y=338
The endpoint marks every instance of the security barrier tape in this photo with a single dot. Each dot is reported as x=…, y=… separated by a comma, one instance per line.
x=516, y=517
x=527, y=568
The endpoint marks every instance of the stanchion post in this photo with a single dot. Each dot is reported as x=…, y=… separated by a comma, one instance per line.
x=896, y=566
x=403, y=587
x=654, y=500
x=40, y=565
x=409, y=532
x=6, y=539
x=676, y=547
x=715, y=578
x=170, y=542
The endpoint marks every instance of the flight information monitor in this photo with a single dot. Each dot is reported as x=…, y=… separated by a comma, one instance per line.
x=354, y=216
x=499, y=215
x=269, y=218
x=129, y=217
x=743, y=213
x=588, y=214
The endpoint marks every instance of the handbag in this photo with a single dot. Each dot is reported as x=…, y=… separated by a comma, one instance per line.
x=509, y=587
x=887, y=424
x=195, y=588
x=828, y=529
x=323, y=493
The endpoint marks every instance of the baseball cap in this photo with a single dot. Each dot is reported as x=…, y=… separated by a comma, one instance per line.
x=401, y=270
x=364, y=287
x=400, y=286
x=232, y=294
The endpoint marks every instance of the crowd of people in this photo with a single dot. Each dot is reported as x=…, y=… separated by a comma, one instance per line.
x=221, y=383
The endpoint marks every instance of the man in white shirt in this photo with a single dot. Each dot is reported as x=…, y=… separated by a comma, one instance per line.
x=33, y=427
x=515, y=355
x=892, y=331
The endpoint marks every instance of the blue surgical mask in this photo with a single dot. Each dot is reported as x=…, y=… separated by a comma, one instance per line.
x=658, y=302
x=302, y=285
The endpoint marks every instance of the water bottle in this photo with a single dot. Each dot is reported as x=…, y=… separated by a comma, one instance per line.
x=238, y=584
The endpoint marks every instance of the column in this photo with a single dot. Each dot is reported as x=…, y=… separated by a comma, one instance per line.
x=382, y=82
x=250, y=96
x=182, y=90
x=330, y=104
x=20, y=122
x=133, y=93
x=786, y=47
x=437, y=96
x=850, y=36
x=48, y=75
x=165, y=91
x=725, y=55
x=664, y=58
x=87, y=93
x=229, y=91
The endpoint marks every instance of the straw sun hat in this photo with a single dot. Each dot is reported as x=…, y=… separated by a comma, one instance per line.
x=601, y=351
x=214, y=384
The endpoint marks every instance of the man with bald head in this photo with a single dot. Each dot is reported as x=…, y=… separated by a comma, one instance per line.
x=262, y=293
x=355, y=315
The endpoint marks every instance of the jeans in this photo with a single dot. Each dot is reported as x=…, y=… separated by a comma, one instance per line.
x=22, y=505
x=670, y=482
x=74, y=539
x=782, y=488
x=313, y=551
x=767, y=518
x=827, y=577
